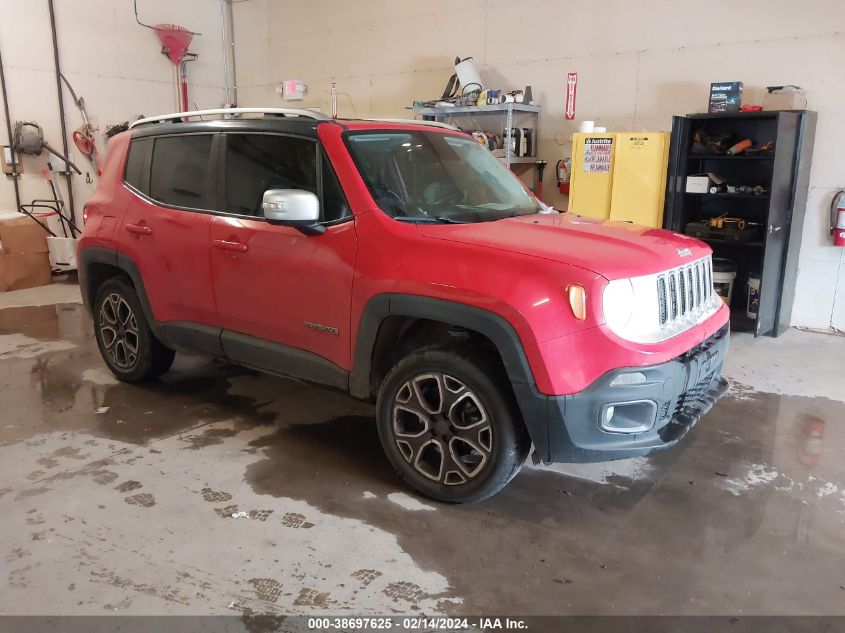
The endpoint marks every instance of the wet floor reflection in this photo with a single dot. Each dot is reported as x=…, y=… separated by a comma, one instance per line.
x=747, y=514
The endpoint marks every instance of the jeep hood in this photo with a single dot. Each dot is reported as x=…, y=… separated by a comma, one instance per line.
x=613, y=250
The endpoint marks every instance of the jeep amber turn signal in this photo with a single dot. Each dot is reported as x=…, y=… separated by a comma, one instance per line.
x=577, y=301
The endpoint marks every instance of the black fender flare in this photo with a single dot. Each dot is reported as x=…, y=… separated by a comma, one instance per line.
x=87, y=258
x=532, y=404
x=101, y=255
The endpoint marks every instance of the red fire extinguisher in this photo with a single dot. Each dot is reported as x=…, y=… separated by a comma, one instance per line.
x=562, y=175
x=837, y=218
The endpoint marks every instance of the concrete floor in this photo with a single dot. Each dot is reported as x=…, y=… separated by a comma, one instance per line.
x=218, y=490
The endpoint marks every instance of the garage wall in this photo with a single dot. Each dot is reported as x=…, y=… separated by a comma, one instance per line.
x=110, y=61
x=638, y=64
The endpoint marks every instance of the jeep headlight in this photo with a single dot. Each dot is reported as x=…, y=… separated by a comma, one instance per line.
x=630, y=308
x=618, y=304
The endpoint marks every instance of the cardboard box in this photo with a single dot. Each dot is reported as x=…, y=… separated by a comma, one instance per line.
x=24, y=271
x=701, y=183
x=698, y=184
x=784, y=98
x=24, y=258
x=725, y=96
x=22, y=235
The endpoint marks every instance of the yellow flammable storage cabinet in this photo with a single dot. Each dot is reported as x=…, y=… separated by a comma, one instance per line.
x=631, y=188
x=639, y=177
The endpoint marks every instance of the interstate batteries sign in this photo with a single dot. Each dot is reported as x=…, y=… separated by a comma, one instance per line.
x=597, y=154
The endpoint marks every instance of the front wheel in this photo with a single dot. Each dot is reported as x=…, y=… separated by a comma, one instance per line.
x=448, y=424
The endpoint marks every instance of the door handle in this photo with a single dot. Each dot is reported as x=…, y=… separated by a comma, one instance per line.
x=139, y=229
x=238, y=247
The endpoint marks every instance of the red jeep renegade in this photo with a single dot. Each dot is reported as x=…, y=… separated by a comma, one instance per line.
x=404, y=264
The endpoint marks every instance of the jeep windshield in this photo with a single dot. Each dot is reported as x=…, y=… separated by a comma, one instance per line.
x=420, y=176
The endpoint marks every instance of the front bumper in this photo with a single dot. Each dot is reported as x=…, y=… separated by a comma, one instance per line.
x=674, y=396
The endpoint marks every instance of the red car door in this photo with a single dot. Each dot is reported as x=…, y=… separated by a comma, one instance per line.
x=282, y=296
x=166, y=225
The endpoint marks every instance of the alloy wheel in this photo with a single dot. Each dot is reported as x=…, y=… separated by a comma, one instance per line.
x=119, y=331
x=442, y=428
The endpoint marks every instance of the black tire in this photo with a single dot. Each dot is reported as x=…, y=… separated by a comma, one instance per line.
x=439, y=457
x=124, y=337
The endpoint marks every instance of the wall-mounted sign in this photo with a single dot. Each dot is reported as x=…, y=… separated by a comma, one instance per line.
x=571, y=88
x=294, y=89
x=597, y=154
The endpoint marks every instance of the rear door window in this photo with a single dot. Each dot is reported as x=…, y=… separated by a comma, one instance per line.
x=180, y=175
x=136, y=164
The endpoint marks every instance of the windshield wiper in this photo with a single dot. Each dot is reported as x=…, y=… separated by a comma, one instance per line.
x=515, y=214
x=439, y=219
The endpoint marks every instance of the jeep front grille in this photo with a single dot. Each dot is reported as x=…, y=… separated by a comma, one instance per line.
x=684, y=290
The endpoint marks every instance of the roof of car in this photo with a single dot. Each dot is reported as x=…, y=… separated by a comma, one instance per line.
x=298, y=127
x=296, y=122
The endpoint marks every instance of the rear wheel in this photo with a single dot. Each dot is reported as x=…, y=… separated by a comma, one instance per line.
x=124, y=337
x=449, y=425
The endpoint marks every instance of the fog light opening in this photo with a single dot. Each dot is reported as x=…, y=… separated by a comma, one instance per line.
x=637, y=416
x=629, y=378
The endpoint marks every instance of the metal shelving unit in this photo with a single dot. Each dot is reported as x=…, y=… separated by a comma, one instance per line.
x=772, y=255
x=494, y=119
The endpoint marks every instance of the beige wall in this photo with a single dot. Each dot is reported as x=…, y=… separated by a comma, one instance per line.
x=638, y=63
x=113, y=63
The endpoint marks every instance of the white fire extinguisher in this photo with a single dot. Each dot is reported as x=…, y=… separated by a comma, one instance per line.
x=837, y=218
x=562, y=175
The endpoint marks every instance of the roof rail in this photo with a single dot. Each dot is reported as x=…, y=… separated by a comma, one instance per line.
x=417, y=122
x=294, y=112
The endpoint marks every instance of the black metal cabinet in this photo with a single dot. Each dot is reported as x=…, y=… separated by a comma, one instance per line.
x=774, y=217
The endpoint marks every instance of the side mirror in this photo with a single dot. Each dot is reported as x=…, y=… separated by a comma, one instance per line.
x=293, y=207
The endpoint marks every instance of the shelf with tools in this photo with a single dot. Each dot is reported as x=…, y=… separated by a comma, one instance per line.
x=517, y=149
x=766, y=156
x=519, y=160
x=730, y=196
x=726, y=242
x=738, y=182
x=496, y=108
